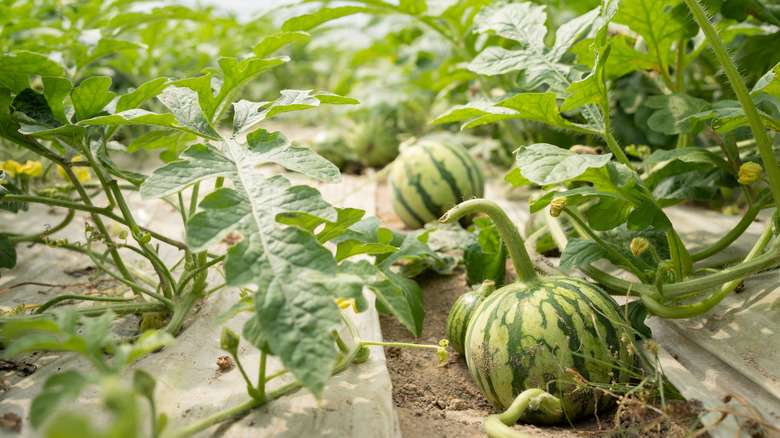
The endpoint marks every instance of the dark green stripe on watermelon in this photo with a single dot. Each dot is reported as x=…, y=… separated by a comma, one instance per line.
x=446, y=176
x=399, y=199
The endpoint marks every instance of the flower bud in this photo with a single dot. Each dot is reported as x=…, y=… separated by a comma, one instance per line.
x=750, y=172
x=639, y=245
x=556, y=206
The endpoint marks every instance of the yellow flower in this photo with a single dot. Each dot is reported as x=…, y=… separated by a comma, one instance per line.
x=11, y=167
x=82, y=172
x=32, y=168
x=750, y=172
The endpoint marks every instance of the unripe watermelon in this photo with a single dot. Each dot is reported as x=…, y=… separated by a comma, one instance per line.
x=527, y=336
x=461, y=312
x=429, y=177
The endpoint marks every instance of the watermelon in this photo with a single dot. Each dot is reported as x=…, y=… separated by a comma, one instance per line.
x=430, y=176
x=524, y=337
x=460, y=313
x=558, y=334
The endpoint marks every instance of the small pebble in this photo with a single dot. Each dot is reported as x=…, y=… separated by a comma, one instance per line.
x=457, y=404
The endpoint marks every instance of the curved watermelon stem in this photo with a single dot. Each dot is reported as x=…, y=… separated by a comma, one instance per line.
x=509, y=234
x=500, y=425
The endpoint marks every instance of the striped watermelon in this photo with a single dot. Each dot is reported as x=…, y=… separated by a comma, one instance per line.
x=460, y=313
x=430, y=176
x=524, y=337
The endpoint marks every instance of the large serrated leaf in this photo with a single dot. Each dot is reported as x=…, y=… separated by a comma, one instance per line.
x=296, y=312
x=524, y=23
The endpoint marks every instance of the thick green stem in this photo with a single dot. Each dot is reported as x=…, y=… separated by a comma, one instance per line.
x=262, y=378
x=119, y=309
x=769, y=260
x=730, y=237
x=181, y=310
x=754, y=120
x=60, y=298
x=701, y=307
x=500, y=425
x=509, y=234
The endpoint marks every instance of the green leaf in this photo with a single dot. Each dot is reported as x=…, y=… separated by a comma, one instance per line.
x=33, y=112
x=653, y=20
x=56, y=90
x=582, y=252
x=183, y=103
x=545, y=164
x=276, y=41
x=769, y=83
x=295, y=312
x=609, y=213
x=137, y=117
x=755, y=54
x=623, y=59
x=590, y=89
x=144, y=92
x=673, y=113
x=637, y=314
x=681, y=160
x=486, y=258
x=322, y=15
x=59, y=389
x=540, y=107
x=91, y=96
x=646, y=215
x=174, y=143
x=728, y=115
x=274, y=147
x=391, y=296
x=247, y=114
x=16, y=68
x=147, y=342
x=104, y=47
x=524, y=23
x=352, y=247
x=7, y=251
x=234, y=75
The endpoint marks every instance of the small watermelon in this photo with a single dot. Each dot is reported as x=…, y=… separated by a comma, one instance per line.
x=562, y=335
x=430, y=176
x=534, y=336
x=460, y=313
